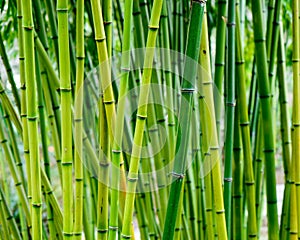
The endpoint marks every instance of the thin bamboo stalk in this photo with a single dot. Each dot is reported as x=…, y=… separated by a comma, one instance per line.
x=230, y=106
x=220, y=58
x=296, y=105
x=78, y=204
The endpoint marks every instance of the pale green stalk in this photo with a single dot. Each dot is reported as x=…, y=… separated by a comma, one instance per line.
x=66, y=117
x=78, y=205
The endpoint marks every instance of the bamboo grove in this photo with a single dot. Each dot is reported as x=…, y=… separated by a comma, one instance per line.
x=150, y=119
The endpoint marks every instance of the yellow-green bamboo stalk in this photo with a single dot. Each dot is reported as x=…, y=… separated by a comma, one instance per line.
x=296, y=106
x=66, y=120
x=31, y=101
x=141, y=119
x=78, y=215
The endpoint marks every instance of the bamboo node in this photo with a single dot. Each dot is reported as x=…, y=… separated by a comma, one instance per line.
x=269, y=150
x=18, y=184
x=102, y=230
x=264, y=96
x=188, y=90
x=62, y=10
x=220, y=211
x=230, y=104
x=125, y=236
x=244, y=124
x=36, y=205
x=153, y=27
x=227, y=179
x=67, y=234
x=113, y=228
x=100, y=39
x=249, y=183
x=131, y=179
x=142, y=117
x=177, y=175
x=104, y=164
x=252, y=235
x=65, y=89
x=33, y=118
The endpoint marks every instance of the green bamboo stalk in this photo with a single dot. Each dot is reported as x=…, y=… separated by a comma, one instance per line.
x=285, y=134
x=166, y=45
x=42, y=116
x=104, y=155
x=78, y=205
x=23, y=112
x=245, y=131
x=237, y=191
x=108, y=26
x=220, y=57
x=118, y=131
x=211, y=161
x=264, y=91
x=141, y=119
x=293, y=214
x=230, y=105
x=66, y=118
x=190, y=71
x=296, y=105
x=32, y=120
x=51, y=121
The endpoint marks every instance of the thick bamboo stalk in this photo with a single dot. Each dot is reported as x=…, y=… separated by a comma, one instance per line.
x=187, y=90
x=264, y=92
x=245, y=131
x=31, y=101
x=66, y=117
x=141, y=119
x=211, y=163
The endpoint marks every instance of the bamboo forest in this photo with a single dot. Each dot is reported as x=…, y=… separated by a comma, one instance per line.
x=150, y=119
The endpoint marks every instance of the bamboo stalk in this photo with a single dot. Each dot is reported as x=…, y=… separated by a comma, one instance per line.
x=245, y=131
x=296, y=106
x=264, y=91
x=230, y=105
x=78, y=204
x=32, y=120
x=189, y=75
x=141, y=119
x=66, y=118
